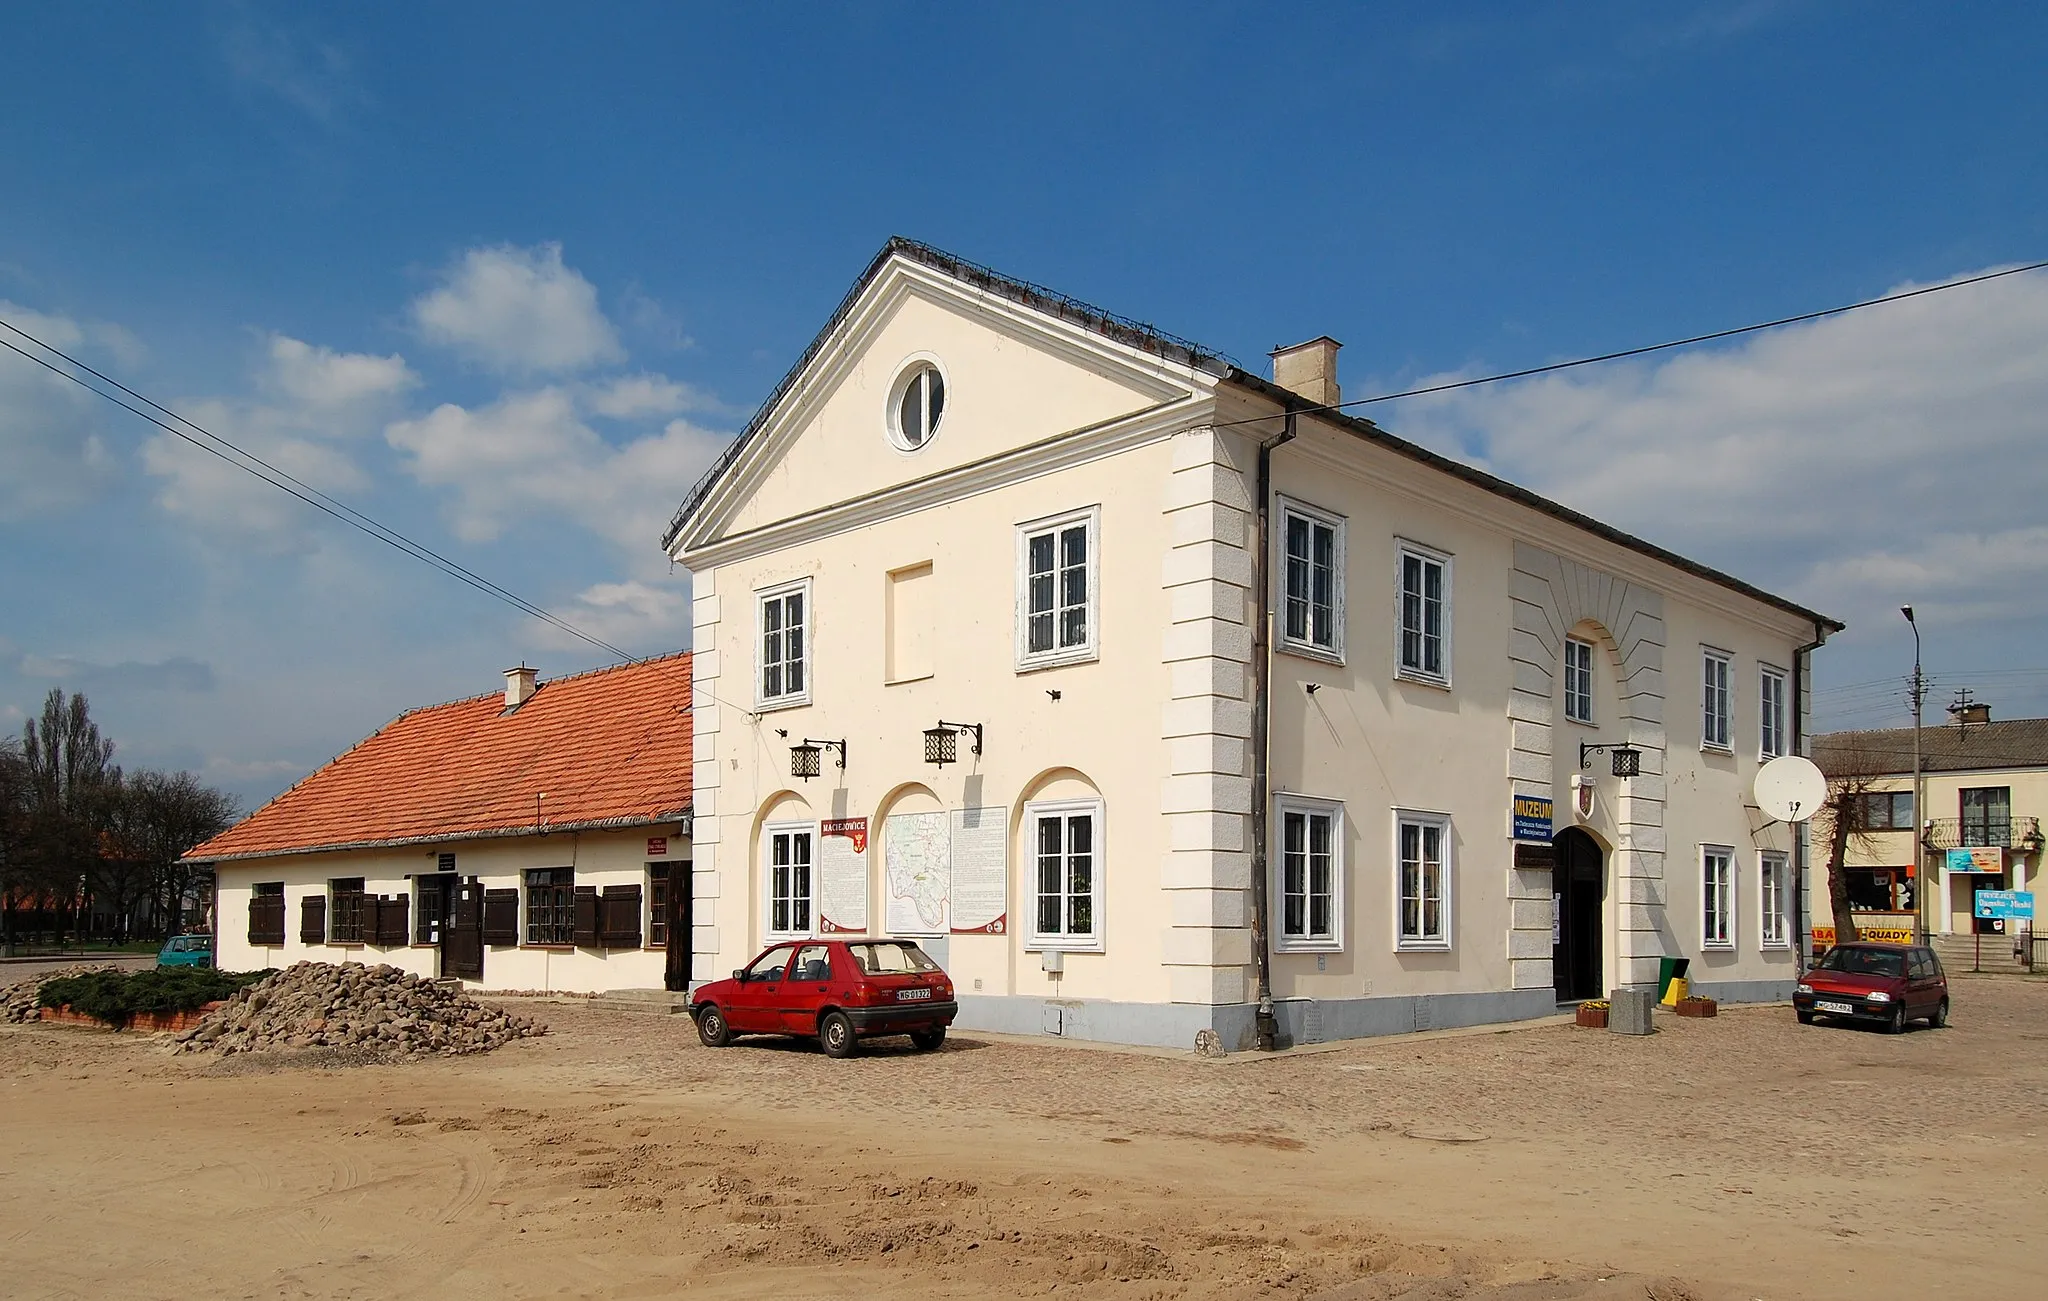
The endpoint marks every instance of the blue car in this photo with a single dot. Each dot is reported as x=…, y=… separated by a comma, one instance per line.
x=186, y=951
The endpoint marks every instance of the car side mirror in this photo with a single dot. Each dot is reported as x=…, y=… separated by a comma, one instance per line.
x=740, y=974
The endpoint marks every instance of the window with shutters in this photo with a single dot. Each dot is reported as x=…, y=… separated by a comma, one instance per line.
x=345, y=910
x=783, y=673
x=551, y=905
x=1309, y=875
x=618, y=917
x=1057, y=587
x=386, y=920
x=266, y=914
x=312, y=919
x=1423, y=615
x=1422, y=881
x=1066, y=840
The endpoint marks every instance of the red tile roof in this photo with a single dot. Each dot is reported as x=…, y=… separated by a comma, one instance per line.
x=609, y=748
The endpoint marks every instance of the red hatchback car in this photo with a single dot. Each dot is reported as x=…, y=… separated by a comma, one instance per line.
x=842, y=991
x=1887, y=983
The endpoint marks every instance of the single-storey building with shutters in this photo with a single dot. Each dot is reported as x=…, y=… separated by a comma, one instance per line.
x=534, y=839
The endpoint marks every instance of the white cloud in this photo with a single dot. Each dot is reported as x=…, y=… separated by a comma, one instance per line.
x=634, y=397
x=320, y=378
x=631, y=614
x=312, y=76
x=1878, y=443
x=518, y=310
x=52, y=443
x=530, y=454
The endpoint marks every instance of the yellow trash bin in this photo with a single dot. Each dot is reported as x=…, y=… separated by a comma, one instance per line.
x=1677, y=989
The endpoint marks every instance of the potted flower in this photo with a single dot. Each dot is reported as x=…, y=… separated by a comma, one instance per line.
x=1593, y=1014
x=1696, y=1005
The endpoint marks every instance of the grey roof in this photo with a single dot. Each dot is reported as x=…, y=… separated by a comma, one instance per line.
x=1147, y=338
x=2016, y=743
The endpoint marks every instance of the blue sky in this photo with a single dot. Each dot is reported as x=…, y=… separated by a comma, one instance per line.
x=507, y=276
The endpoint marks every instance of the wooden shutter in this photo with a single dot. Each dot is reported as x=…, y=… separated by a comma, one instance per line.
x=585, y=936
x=313, y=920
x=619, y=917
x=393, y=915
x=266, y=920
x=501, y=916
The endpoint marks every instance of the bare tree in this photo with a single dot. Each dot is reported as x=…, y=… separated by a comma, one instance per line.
x=1844, y=822
x=71, y=784
x=15, y=877
x=160, y=817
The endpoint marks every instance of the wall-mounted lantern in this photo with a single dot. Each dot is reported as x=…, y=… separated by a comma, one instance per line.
x=803, y=759
x=1628, y=761
x=942, y=743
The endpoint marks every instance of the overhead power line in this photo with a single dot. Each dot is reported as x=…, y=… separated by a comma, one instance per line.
x=1650, y=348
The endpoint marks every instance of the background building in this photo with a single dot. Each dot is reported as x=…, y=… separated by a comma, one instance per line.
x=537, y=839
x=983, y=523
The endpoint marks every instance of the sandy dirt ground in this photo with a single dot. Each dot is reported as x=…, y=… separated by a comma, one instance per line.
x=1744, y=1157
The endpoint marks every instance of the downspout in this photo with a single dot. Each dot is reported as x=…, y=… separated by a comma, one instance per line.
x=1800, y=838
x=1264, y=1023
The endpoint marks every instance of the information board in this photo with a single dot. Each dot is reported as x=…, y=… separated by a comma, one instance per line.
x=979, y=867
x=916, y=874
x=843, y=876
x=2014, y=904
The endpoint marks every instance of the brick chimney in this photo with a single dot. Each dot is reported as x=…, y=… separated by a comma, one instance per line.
x=520, y=684
x=1309, y=369
x=1971, y=712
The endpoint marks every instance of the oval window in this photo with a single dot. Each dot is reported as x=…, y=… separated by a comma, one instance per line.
x=920, y=404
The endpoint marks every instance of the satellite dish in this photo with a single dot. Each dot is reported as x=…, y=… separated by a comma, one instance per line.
x=1790, y=788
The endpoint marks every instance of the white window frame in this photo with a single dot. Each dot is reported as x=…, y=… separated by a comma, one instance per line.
x=1770, y=712
x=1773, y=866
x=787, y=699
x=769, y=831
x=1585, y=714
x=1447, y=874
x=1088, y=648
x=1315, y=517
x=1307, y=806
x=1403, y=551
x=912, y=370
x=1708, y=717
x=1038, y=941
x=1725, y=941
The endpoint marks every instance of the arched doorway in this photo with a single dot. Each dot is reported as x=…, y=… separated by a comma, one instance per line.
x=1579, y=887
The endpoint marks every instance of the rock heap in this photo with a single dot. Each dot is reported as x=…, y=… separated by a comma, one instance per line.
x=18, y=1001
x=380, y=1009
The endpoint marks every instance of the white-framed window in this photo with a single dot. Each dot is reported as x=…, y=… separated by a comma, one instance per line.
x=1311, y=546
x=1770, y=698
x=1422, y=880
x=1308, y=875
x=1065, y=841
x=1774, y=903
x=1716, y=698
x=1717, y=897
x=789, y=848
x=917, y=403
x=1578, y=680
x=1422, y=586
x=783, y=617
x=1058, y=583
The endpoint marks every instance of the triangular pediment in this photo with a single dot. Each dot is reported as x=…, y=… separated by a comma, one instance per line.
x=1016, y=375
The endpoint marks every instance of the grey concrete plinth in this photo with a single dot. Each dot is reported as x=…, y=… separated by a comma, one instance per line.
x=1628, y=1011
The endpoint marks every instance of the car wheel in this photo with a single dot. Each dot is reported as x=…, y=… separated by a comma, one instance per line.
x=1897, y=1025
x=1805, y=1017
x=712, y=1029
x=835, y=1035
x=926, y=1040
x=1940, y=1018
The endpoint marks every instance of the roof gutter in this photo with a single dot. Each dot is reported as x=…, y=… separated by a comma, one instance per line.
x=1264, y=1024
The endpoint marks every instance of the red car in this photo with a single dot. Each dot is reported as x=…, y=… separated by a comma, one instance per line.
x=1887, y=983
x=842, y=991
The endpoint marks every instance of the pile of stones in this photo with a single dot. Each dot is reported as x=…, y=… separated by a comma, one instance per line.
x=380, y=1009
x=18, y=1001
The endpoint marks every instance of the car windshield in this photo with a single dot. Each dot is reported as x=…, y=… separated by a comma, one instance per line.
x=1865, y=962
x=891, y=959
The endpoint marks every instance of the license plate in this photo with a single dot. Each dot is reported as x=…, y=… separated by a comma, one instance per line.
x=1834, y=1007
x=907, y=995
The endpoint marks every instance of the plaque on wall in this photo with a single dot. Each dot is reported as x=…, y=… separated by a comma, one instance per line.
x=1530, y=857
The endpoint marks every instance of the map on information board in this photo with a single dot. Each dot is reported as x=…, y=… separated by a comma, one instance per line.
x=916, y=881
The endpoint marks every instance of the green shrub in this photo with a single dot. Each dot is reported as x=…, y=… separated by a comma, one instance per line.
x=116, y=996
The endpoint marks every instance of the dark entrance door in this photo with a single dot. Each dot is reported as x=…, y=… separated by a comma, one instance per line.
x=1579, y=886
x=672, y=889
x=462, y=937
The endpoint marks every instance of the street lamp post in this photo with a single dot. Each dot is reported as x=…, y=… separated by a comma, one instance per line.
x=1923, y=896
